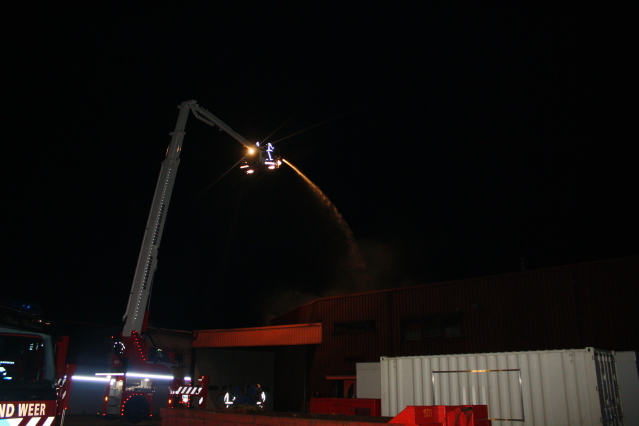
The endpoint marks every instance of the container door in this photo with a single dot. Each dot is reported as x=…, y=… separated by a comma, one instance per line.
x=609, y=400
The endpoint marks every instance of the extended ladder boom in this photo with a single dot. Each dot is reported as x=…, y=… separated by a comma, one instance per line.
x=136, y=313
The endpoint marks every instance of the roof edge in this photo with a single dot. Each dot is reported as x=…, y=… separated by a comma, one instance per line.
x=548, y=268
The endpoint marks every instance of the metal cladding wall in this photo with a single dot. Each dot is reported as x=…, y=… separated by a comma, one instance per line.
x=583, y=305
x=569, y=387
x=339, y=352
x=298, y=334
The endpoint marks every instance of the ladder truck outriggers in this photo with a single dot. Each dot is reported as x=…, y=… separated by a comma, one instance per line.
x=135, y=365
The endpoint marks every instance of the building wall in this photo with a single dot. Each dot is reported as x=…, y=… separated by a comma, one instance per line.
x=230, y=367
x=575, y=306
x=177, y=341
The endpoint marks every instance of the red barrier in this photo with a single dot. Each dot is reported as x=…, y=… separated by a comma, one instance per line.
x=443, y=415
x=347, y=406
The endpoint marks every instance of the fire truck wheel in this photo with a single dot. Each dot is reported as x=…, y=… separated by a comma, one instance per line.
x=136, y=409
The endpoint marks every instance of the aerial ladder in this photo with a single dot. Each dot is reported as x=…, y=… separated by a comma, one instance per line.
x=130, y=392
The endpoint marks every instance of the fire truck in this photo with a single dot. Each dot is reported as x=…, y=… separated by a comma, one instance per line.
x=136, y=366
x=35, y=381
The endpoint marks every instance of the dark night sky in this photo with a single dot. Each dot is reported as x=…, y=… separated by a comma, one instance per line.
x=455, y=140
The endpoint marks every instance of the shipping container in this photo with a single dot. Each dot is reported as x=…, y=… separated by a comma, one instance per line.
x=368, y=384
x=628, y=377
x=542, y=388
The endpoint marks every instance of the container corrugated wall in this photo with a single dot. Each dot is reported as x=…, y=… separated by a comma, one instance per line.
x=538, y=388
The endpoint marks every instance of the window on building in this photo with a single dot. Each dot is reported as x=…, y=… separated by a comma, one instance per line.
x=440, y=325
x=355, y=327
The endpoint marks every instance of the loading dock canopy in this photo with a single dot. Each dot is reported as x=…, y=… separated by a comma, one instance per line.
x=279, y=335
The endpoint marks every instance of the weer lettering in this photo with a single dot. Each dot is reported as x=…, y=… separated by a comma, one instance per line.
x=24, y=410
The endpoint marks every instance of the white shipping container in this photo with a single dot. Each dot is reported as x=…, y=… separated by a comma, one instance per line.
x=628, y=378
x=368, y=381
x=541, y=388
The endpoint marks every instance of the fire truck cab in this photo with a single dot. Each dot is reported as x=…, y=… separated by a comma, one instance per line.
x=33, y=375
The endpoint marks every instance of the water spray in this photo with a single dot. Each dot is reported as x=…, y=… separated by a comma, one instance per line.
x=356, y=256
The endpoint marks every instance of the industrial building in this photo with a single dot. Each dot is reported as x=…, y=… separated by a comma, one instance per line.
x=313, y=350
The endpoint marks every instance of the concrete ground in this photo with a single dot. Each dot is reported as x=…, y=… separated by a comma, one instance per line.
x=95, y=420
